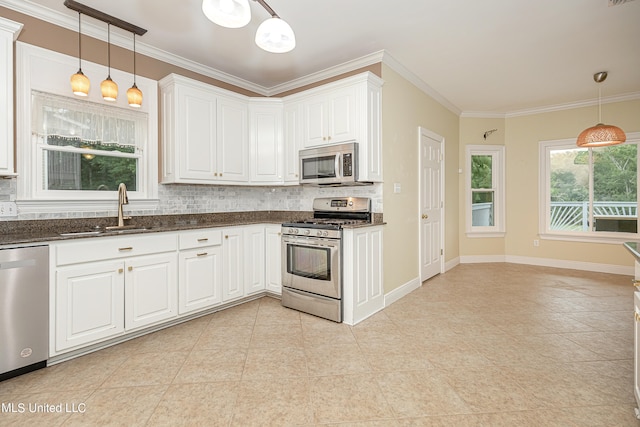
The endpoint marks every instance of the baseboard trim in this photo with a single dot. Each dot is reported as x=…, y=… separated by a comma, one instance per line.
x=401, y=291
x=451, y=264
x=549, y=262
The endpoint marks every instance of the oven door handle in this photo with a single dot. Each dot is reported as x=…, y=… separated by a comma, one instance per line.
x=311, y=241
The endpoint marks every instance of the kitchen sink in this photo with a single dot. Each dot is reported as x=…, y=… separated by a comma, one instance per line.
x=114, y=230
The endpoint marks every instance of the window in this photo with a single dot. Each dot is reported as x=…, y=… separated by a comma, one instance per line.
x=82, y=146
x=485, y=190
x=589, y=193
x=73, y=152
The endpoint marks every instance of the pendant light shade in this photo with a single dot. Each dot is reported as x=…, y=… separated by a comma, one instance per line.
x=227, y=13
x=276, y=36
x=134, y=95
x=600, y=135
x=79, y=82
x=108, y=87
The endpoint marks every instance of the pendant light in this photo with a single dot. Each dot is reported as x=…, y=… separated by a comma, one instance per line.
x=227, y=13
x=600, y=135
x=273, y=35
x=79, y=82
x=109, y=87
x=134, y=95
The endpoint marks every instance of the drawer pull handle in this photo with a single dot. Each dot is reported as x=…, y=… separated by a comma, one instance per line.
x=129, y=248
x=130, y=268
x=202, y=254
x=203, y=240
x=226, y=237
x=120, y=270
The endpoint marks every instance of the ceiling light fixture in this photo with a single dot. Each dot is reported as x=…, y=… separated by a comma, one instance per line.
x=109, y=87
x=273, y=35
x=79, y=82
x=600, y=135
x=134, y=95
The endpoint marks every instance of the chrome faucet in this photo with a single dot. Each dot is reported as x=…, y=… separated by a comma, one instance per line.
x=123, y=199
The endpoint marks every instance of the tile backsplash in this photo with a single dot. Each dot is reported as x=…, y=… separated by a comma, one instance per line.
x=193, y=199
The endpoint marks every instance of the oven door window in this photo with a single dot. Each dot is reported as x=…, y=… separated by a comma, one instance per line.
x=309, y=261
x=319, y=167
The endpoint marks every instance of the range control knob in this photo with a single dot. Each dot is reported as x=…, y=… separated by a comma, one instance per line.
x=307, y=232
x=290, y=231
x=325, y=233
x=350, y=202
x=319, y=233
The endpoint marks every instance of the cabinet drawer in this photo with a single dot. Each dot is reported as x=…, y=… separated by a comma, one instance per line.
x=200, y=238
x=103, y=248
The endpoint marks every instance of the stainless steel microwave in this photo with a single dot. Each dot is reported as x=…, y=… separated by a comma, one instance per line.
x=332, y=165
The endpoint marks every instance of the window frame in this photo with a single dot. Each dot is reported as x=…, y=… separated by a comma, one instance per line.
x=43, y=70
x=498, y=156
x=544, y=191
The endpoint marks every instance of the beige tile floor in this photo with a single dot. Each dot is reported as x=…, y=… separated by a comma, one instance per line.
x=482, y=345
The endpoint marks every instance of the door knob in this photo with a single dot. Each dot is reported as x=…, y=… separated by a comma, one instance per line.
x=425, y=216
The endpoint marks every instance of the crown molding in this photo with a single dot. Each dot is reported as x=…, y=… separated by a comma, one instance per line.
x=345, y=67
x=420, y=84
x=99, y=32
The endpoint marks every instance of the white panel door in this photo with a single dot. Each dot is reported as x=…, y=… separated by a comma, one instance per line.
x=196, y=129
x=232, y=140
x=342, y=120
x=89, y=303
x=431, y=204
x=254, y=279
x=232, y=264
x=266, y=143
x=151, y=290
x=200, y=279
x=273, y=258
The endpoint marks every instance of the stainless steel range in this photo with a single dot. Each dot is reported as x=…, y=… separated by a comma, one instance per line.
x=312, y=256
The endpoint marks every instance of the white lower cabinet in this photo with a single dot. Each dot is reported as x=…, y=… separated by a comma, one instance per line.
x=273, y=258
x=89, y=303
x=254, y=262
x=151, y=290
x=363, y=291
x=200, y=279
x=232, y=264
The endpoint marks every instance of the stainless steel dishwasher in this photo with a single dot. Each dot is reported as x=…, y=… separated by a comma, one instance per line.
x=24, y=310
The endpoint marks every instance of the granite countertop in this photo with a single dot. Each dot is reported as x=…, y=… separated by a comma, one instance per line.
x=44, y=231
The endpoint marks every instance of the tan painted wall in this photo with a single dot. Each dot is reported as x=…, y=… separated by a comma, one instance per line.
x=404, y=109
x=521, y=136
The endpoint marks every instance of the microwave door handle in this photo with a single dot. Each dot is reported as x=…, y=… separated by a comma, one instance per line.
x=338, y=168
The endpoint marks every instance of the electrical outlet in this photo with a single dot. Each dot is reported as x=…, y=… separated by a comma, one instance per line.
x=536, y=243
x=8, y=209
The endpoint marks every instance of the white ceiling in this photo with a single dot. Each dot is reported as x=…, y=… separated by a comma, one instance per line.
x=482, y=57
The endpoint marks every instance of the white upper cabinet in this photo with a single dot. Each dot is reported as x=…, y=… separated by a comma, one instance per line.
x=292, y=141
x=330, y=118
x=9, y=31
x=265, y=141
x=204, y=133
x=346, y=110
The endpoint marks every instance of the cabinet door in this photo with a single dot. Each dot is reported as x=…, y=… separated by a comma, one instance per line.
x=151, y=289
x=273, y=256
x=8, y=33
x=89, y=303
x=232, y=264
x=292, y=137
x=196, y=134
x=266, y=143
x=254, y=280
x=232, y=140
x=315, y=122
x=342, y=111
x=200, y=279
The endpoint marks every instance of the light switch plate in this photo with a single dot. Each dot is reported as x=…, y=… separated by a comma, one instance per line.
x=8, y=209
